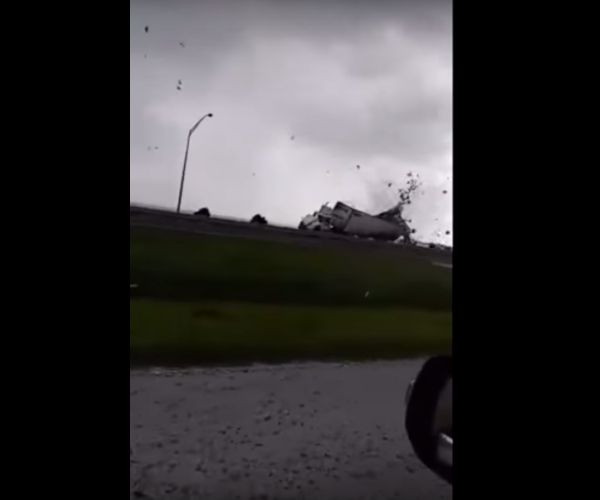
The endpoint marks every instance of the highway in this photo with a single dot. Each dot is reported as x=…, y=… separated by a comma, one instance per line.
x=299, y=431
x=168, y=220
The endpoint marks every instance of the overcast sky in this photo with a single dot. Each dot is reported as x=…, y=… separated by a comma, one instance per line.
x=302, y=92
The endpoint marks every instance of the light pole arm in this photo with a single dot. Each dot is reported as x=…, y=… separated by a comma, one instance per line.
x=193, y=129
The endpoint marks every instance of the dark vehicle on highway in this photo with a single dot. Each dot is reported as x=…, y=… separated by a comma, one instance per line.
x=258, y=219
x=205, y=212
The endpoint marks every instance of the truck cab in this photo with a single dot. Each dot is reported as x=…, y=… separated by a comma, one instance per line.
x=318, y=221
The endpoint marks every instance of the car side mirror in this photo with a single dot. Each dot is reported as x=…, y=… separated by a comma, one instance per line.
x=428, y=418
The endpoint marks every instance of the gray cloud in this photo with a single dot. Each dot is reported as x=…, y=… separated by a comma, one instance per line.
x=366, y=83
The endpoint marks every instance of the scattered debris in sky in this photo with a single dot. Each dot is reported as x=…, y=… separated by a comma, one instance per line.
x=347, y=188
x=408, y=192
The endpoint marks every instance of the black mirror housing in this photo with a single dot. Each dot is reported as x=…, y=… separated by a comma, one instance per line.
x=428, y=418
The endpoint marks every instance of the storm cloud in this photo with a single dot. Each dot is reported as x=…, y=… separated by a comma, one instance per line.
x=302, y=93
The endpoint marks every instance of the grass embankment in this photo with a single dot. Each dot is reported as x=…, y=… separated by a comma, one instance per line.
x=218, y=299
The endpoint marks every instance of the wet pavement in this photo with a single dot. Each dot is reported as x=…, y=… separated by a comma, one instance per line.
x=303, y=431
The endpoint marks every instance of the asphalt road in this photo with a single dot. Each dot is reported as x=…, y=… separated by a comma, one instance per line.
x=163, y=219
x=314, y=431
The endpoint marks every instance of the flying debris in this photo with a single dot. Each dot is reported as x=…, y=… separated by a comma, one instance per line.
x=448, y=232
x=182, y=44
x=155, y=147
x=445, y=191
x=389, y=184
x=409, y=174
x=358, y=167
x=146, y=29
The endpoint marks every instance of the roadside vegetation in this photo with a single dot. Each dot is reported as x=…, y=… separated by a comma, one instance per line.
x=203, y=299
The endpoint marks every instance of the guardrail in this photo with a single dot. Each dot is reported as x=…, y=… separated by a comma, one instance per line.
x=157, y=217
x=216, y=221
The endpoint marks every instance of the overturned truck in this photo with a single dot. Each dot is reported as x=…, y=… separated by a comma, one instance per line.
x=342, y=218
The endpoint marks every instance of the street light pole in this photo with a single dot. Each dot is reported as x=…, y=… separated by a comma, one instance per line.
x=187, y=148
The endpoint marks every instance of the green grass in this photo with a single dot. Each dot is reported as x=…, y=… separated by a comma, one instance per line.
x=208, y=299
x=177, y=266
x=182, y=333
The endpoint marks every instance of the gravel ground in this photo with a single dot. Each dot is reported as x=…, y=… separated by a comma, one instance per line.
x=314, y=431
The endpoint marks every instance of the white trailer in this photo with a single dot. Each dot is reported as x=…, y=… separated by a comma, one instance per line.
x=344, y=219
x=348, y=220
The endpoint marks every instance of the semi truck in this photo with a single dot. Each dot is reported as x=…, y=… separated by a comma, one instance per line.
x=342, y=218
